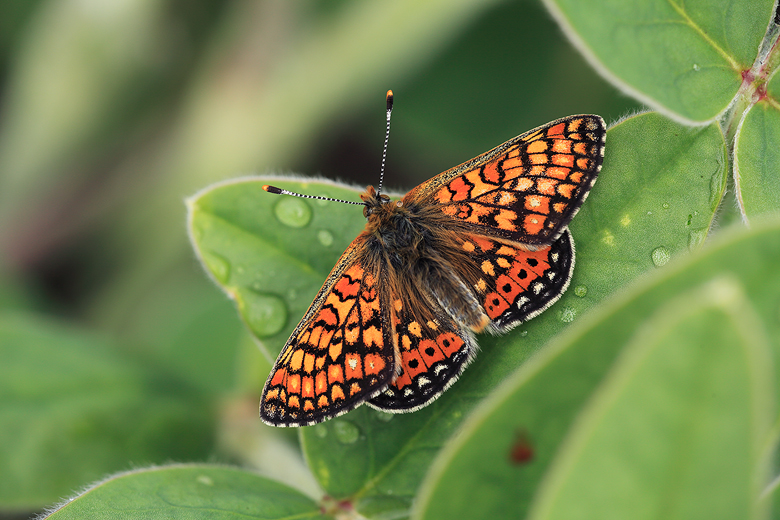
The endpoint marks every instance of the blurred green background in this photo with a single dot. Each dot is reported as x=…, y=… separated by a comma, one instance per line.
x=112, y=112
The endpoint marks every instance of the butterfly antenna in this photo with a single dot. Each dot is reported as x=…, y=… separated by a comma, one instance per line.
x=280, y=191
x=387, y=137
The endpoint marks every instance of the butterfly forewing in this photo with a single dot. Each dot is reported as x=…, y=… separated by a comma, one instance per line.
x=339, y=355
x=528, y=189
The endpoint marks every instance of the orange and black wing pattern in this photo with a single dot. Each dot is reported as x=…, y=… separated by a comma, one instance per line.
x=526, y=190
x=339, y=355
x=517, y=284
x=432, y=353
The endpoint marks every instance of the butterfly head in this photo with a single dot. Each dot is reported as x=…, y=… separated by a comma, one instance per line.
x=373, y=203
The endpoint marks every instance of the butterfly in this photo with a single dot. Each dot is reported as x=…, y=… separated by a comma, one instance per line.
x=478, y=248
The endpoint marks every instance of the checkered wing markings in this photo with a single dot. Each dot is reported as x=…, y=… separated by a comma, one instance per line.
x=529, y=188
x=339, y=356
x=516, y=284
x=432, y=356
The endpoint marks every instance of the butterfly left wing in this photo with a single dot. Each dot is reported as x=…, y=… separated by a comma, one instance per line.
x=526, y=190
x=339, y=355
x=433, y=350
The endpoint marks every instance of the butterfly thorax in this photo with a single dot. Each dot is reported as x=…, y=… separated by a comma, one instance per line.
x=393, y=225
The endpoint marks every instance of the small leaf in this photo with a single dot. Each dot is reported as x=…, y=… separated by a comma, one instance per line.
x=684, y=58
x=543, y=399
x=189, y=492
x=72, y=410
x=756, y=160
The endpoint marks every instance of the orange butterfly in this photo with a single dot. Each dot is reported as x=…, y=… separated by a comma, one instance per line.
x=478, y=248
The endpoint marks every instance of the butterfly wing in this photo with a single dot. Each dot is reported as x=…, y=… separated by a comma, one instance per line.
x=515, y=286
x=339, y=355
x=526, y=190
x=432, y=351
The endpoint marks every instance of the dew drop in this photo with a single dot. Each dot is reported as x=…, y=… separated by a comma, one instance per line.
x=568, y=314
x=696, y=66
x=325, y=237
x=205, y=480
x=265, y=314
x=346, y=432
x=321, y=202
x=581, y=291
x=320, y=430
x=523, y=333
x=218, y=266
x=293, y=212
x=690, y=217
x=660, y=256
x=665, y=205
x=383, y=416
x=696, y=238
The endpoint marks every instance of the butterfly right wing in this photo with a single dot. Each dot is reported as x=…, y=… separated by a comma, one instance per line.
x=340, y=354
x=526, y=190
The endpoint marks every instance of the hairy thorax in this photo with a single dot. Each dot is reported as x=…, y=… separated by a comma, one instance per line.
x=421, y=249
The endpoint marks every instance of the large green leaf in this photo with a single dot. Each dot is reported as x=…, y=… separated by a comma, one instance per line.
x=684, y=58
x=655, y=199
x=476, y=476
x=189, y=492
x=678, y=427
x=72, y=409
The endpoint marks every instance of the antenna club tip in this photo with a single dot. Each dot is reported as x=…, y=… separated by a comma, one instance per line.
x=272, y=189
x=389, y=99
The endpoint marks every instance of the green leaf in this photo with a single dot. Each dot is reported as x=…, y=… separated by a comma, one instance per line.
x=189, y=492
x=544, y=398
x=756, y=160
x=684, y=58
x=677, y=427
x=73, y=409
x=660, y=185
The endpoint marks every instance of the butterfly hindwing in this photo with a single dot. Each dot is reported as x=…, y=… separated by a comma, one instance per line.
x=432, y=352
x=518, y=284
x=341, y=353
x=526, y=190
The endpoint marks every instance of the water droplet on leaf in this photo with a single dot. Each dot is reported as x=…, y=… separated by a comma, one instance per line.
x=325, y=237
x=320, y=430
x=696, y=238
x=265, y=314
x=346, y=432
x=293, y=212
x=660, y=256
x=218, y=266
x=568, y=314
x=384, y=416
x=581, y=291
